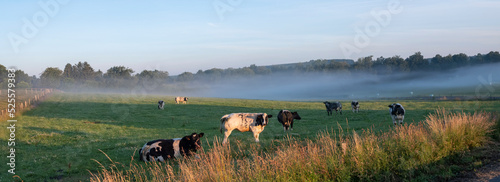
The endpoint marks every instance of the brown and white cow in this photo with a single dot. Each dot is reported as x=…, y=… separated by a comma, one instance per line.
x=286, y=118
x=254, y=122
x=181, y=99
x=160, y=150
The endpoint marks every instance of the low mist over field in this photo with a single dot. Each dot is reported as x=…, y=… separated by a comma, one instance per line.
x=479, y=81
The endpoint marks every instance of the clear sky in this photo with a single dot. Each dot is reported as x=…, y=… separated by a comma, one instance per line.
x=178, y=36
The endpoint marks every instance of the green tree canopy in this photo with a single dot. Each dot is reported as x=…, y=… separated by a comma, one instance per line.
x=51, y=77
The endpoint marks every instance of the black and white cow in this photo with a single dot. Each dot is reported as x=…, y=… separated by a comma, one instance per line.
x=160, y=150
x=181, y=99
x=397, y=113
x=286, y=117
x=333, y=106
x=161, y=104
x=355, y=106
x=254, y=122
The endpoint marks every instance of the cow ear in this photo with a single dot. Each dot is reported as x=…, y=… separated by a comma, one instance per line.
x=201, y=135
x=390, y=106
x=269, y=116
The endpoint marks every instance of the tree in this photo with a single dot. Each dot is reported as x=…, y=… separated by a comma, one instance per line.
x=185, y=77
x=68, y=71
x=492, y=57
x=152, y=79
x=23, y=77
x=119, y=72
x=364, y=64
x=436, y=62
x=460, y=60
x=51, y=77
x=416, y=62
x=3, y=73
x=87, y=72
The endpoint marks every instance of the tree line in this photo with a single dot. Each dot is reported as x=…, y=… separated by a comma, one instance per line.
x=82, y=75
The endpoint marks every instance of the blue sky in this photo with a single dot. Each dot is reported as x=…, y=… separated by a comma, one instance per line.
x=179, y=36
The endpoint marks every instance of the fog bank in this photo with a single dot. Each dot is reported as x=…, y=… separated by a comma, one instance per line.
x=480, y=81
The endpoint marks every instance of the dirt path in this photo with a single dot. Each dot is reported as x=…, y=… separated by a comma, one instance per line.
x=490, y=171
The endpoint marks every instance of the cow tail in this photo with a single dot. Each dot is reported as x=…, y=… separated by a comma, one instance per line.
x=140, y=155
x=222, y=122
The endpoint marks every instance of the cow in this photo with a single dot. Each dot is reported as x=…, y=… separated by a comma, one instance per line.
x=254, y=122
x=161, y=104
x=181, y=99
x=286, y=117
x=397, y=113
x=160, y=150
x=355, y=106
x=333, y=106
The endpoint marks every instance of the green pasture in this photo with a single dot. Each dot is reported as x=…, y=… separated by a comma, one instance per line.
x=62, y=136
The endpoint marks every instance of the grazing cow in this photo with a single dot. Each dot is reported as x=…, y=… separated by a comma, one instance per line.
x=161, y=104
x=160, y=150
x=181, y=99
x=254, y=122
x=286, y=117
x=397, y=113
x=355, y=106
x=333, y=106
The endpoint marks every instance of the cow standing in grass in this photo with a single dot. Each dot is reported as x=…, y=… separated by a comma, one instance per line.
x=397, y=113
x=161, y=104
x=355, y=106
x=286, y=117
x=181, y=99
x=160, y=150
x=254, y=122
x=333, y=106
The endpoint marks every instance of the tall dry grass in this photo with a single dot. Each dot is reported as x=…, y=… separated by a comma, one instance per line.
x=390, y=156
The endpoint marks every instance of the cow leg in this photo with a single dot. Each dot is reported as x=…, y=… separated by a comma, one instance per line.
x=256, y=135
x=226, y=135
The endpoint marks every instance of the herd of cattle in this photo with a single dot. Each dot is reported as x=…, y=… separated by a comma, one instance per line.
x=160, y=150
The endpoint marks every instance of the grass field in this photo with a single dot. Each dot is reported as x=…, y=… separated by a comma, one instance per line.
x=61, y=138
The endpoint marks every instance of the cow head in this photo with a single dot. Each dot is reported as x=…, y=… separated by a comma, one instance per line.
x=193, y=141
x=263, y=119
x=296, y=115
x=185, y=99
x=396, y=109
